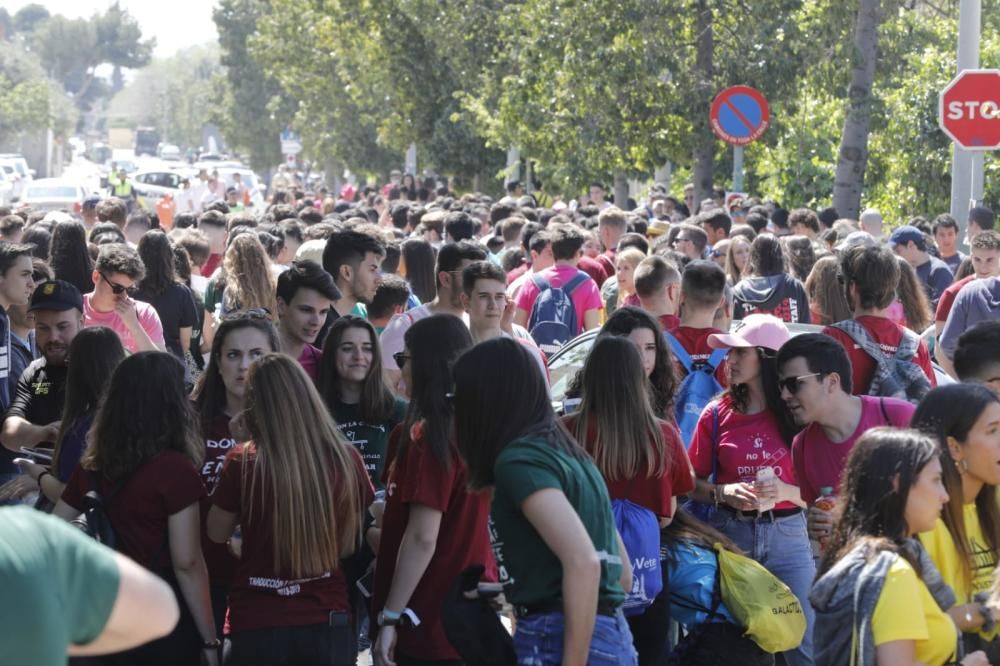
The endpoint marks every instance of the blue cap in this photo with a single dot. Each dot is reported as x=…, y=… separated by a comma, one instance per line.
x=906, y=234
x=92, y=201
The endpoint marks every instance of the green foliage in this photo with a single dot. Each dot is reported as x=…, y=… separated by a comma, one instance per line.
x=178, y=95
x=253, y=109
x=29, y=101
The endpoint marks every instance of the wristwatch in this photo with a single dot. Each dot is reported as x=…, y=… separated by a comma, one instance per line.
x=388, y=618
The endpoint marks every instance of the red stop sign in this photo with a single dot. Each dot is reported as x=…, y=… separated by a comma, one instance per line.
x=969, y=109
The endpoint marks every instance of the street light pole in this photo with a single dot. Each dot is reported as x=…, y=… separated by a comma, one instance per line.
x=967, y=165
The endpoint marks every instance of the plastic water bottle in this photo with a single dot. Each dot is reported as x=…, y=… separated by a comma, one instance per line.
x=825, y=502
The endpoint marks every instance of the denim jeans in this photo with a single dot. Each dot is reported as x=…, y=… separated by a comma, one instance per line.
x=538, y=641
x=782, y=546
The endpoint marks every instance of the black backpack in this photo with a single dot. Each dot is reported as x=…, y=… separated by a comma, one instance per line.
x=95, y=520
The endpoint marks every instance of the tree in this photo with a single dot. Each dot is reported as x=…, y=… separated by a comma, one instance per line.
x=254, y=109
x=28, y=17
x=28, y=101
x=853, y=156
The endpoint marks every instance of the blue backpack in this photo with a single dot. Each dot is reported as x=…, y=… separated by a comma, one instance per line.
x=553, y=316
x=696, y=390
x=640, y=532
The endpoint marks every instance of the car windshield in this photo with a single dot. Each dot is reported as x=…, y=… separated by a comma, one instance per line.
x=570, y=361
x=52, y=192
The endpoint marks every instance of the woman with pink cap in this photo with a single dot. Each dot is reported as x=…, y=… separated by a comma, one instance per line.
x=742, y=455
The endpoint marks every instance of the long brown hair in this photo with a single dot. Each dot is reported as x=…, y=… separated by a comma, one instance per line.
x=93, y=356
x=305, y=471
x=825, y=291
x=249, y=280
x=911, y=294
x=628, y=441
x=734, y=274
x=377, y=401
x=144, y=412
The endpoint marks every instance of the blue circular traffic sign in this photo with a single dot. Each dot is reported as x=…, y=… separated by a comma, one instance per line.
x=740, y=115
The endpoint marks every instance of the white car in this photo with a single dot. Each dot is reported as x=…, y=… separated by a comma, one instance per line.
x=6, y=189
x=54, y=194
x=150, y=185
x=15, y=167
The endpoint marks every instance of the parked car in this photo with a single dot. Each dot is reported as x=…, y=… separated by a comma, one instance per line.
x=6, y=189
x=571, y=357
x=16, y=168
x=54, y=194
x=150, y=185
x=168, y=152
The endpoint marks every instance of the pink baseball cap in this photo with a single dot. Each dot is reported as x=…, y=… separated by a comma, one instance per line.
x=757, y=330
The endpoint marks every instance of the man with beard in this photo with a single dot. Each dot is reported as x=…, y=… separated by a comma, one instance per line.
x=451, y=260
x=814, y=378
x=35, y=412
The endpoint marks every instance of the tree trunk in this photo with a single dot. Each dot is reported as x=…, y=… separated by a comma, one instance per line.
x=853, y=158
x=704, y=149
x=621, y=189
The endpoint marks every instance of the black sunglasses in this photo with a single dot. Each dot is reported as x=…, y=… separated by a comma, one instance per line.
x=792, y=384
x=117, y=288
x=401, y=358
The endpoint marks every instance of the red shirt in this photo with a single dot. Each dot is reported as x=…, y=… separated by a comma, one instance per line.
x=887, y=335
x=260, y=596
x=415, y=476
x=948, y=298
x=160, y=487
x=607, y=261
x=745, y=444
x=594, y=269
x=218, y=442
x=695, y=342
x=654, y=493
x=309, y=360
x=670, y=323
x=209, y=267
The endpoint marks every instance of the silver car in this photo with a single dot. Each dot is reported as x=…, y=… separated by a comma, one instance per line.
x=54, y=194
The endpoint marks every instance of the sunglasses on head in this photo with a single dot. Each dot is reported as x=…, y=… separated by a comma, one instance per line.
x=252, y=313
x=792, y=384
x=400, y=358
x=116, y=288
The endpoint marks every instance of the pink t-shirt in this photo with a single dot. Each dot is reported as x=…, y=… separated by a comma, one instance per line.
x=586, y=297
x=745, y=444
x=148, y=319
x=819, y=462
x=309, y=360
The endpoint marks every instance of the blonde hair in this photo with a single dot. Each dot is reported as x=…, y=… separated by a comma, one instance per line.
x=250, y=281
x=305, y=472
x=733, y=273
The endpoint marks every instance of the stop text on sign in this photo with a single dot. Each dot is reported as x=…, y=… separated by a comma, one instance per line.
x=973, y=110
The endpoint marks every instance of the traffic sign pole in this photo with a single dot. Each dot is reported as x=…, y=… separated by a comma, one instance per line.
x=737, y=168
x=965, y=163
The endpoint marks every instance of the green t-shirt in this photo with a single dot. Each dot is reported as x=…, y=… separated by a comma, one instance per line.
x=59, y=587
x=371, y=439
x=530, y=572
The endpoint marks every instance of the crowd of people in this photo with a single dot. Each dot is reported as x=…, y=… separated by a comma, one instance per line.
x=295, y=435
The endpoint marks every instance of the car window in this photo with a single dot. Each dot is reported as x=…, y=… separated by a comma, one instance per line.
x=570, y=361
x=52, y=192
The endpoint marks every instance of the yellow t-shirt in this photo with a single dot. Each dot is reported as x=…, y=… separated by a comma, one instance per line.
x=906, y=611
x=941, y=547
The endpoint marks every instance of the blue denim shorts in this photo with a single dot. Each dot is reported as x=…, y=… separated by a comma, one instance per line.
x=538, y=641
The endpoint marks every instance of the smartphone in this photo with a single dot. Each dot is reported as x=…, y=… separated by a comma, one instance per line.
x=37, y=455
x=489, y=590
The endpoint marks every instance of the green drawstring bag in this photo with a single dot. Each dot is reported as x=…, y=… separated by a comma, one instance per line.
x=760, y=602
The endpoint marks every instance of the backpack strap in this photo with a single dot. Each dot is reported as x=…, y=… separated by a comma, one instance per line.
x=682, y=354
x=885, y=414
x=541, y=283
x=575, y=282
x=715, y=360
x=715, y=439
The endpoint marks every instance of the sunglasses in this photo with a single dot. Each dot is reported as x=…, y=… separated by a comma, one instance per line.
x=116, y=288
x=401, y=358
x=792, y=384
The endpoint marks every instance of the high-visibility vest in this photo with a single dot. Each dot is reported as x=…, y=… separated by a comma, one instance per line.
x=123, y=188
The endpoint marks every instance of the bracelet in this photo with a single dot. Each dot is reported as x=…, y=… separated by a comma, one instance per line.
x=213, y=644
x=42, y=476
x=717, y=494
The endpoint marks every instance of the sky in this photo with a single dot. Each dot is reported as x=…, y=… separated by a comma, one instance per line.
x=176, y=24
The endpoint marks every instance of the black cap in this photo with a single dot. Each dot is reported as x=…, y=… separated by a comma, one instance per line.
x=57, y=295
x=92, y=201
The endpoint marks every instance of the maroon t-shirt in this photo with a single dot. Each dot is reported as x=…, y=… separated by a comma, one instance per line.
x=218, y=442
x=213, y=262
x=415, y=476
x=140, y=506
x=594, y=269
x=695, y=342
x=670, y=323
x=260, y=596
x=652, y=492
x=607, y=261
x=887, y=335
